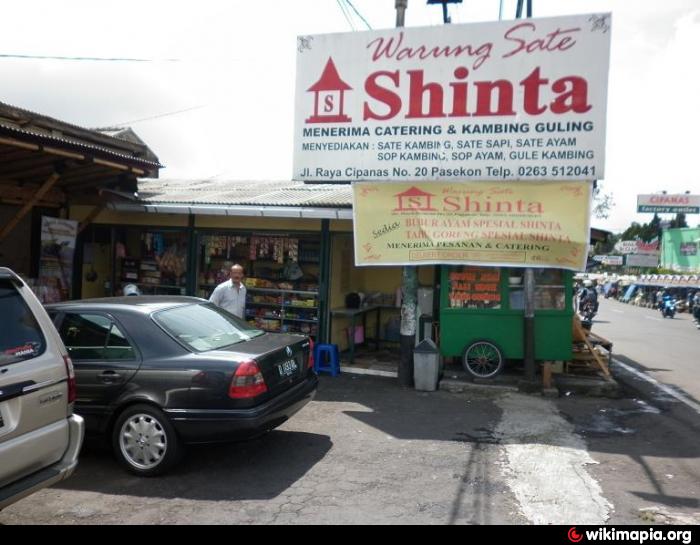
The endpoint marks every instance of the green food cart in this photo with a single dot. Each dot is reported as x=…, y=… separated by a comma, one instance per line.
x=482, y=316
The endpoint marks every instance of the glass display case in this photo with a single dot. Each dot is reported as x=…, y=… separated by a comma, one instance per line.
x=550, y=289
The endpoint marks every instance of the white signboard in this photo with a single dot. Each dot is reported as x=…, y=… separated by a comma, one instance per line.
x=613, y=260
x=669, y=204
x=643, y=260
x=506, y=100
x=626, y=247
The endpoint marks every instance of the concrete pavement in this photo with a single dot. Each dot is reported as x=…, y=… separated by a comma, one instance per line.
x=369, y=452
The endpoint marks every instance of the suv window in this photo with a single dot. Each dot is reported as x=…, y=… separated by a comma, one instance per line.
x=21, y=337
x=94, y=337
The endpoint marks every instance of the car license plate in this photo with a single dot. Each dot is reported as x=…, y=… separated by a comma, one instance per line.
x=288, y=368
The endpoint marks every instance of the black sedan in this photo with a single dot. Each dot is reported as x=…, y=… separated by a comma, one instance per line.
x=155, y=373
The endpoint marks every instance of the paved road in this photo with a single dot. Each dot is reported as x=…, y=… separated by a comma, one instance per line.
x=667, y=350
x=368, y=452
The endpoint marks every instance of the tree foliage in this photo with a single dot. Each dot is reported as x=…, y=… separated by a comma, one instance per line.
x=603, y=203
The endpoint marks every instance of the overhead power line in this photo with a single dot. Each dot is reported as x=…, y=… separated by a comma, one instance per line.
x=349, y=3
x=91, y=59
x=345, y=14
x=158, y=116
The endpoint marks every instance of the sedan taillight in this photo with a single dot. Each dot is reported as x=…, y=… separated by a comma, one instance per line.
x=72, y=387
x=247, y=382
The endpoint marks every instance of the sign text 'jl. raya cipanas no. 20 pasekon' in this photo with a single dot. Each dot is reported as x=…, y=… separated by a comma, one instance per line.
x=509, y=100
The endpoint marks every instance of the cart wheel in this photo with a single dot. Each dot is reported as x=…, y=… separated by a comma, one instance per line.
x=482, y=359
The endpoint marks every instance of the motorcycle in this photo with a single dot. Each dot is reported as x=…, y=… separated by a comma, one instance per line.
x=668, y=308
x=587, y=312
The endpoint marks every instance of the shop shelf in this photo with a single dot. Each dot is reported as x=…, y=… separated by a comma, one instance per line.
x=160, y=286
x=263, y=317
x=300, y=320
x=273, y=262
x=271, y=290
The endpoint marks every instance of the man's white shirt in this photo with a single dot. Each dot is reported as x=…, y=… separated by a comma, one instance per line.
x=230, y=298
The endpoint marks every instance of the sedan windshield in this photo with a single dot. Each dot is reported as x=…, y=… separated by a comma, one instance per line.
x=205, y=327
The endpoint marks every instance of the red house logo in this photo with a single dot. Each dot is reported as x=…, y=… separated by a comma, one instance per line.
x=329, y=97
x=414, y=200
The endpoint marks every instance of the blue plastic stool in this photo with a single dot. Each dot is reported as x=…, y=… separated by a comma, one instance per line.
x=331, y=364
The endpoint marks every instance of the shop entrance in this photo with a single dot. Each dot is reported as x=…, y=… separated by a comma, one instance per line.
x=282, y=277
x=365, y=308
x=153, y=259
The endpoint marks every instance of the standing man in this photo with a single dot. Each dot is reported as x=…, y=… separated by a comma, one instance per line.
x=230, y=295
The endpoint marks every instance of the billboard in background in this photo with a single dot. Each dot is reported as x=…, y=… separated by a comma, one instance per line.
x=642, y=260
x=506, y=100
x=613, y=260
x=689, y=248
x=668, y=204
x=626, y=247
x=679, y=250
x=516, y=224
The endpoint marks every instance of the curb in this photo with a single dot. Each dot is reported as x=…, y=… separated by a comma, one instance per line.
x=369, y=372
x=459, y=386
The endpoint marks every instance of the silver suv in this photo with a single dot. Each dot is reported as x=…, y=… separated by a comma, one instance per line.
x=40, y=437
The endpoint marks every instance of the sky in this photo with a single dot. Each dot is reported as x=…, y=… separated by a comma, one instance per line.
x=228, y=69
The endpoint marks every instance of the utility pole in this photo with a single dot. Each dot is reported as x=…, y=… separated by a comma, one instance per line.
x=409, y=281
x=445, y=16
x=401, y=6
x=529, y=281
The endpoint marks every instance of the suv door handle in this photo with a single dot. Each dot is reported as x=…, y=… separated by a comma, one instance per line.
x=109, y=377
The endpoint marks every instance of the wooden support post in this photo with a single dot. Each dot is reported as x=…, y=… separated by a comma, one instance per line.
x=580, y=332
x=547, y=375
x=91, y=217
x=43, y=190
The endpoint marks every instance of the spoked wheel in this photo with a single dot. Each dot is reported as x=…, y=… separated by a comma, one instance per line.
x=145, y=442
x=482, y=359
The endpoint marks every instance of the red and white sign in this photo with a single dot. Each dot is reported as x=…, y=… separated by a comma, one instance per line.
x=628, y=247
x=661, y=203
x=521, y=99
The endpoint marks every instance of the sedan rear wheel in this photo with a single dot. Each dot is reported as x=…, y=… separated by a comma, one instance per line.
x=145, y=442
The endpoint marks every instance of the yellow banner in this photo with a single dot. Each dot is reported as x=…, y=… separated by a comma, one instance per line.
x=529, y=224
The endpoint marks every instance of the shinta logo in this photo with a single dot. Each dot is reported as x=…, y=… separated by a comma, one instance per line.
x=329, y=97
x=574, y=536
x=414, y=200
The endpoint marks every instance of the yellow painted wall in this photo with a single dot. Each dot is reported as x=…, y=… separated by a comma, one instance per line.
x=102, y=263
x=341, y=226
x=346, y=278
x=247, y=223
x=79, y=213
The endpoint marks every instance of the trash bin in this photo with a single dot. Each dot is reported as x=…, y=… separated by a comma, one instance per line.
x=425, y=327
x=426, y=366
